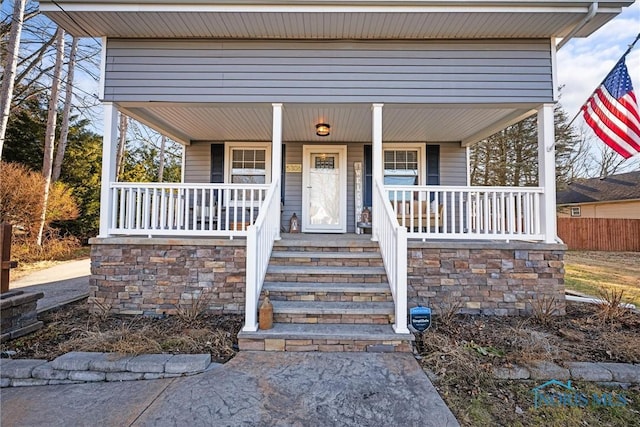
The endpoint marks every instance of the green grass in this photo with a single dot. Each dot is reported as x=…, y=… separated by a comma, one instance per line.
x=512, y=403
x=589, y=284
x=592, y=272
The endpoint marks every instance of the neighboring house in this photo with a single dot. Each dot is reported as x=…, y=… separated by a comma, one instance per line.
x=616, y=196
x=321, y=108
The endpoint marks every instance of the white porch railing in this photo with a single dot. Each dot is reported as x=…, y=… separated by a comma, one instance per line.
x=392, y=239
x=260, y=238
x=503, y=213
x=184, y=209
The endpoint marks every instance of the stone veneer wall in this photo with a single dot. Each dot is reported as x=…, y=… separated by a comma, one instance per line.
x=18, y=313
x=486, y=277
x=157, y=276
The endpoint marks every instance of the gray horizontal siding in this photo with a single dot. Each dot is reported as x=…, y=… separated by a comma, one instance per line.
x=293, y=184
x=335, y=72
x=453, y=171
x=197, y=165
x=453, y=164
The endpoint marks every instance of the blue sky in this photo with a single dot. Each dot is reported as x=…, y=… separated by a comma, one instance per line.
x=584, y=62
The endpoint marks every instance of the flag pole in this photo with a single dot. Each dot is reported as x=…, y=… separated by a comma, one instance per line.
x=605, y=78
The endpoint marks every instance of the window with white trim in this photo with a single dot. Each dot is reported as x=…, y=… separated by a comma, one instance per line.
x=248, y=166
x=401, y=167
x=403, y=164
x=575, y=211
x=248, y=163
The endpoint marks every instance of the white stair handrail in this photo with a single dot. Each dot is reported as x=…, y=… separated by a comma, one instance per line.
x=392, y=239
x=260, y=238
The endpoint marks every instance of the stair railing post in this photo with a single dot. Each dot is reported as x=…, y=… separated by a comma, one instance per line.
x=400, y=326
x=251, y=299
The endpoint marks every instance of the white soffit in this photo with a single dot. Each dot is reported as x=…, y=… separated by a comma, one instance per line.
x=349, y=122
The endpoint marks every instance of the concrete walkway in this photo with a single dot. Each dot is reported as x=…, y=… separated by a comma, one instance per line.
x=255, y=388
x=60, y=284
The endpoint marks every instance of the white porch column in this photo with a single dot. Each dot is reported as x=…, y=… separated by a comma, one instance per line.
x=109, y=149
x=376, y=153
x=377, y=141
x=276, y=150
x=547, y=172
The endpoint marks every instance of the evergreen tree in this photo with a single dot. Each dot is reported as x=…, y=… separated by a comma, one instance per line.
x=81, y=170
x=25, y=134
x=510, y=157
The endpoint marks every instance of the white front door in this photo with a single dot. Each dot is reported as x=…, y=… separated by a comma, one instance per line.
x=324, y=189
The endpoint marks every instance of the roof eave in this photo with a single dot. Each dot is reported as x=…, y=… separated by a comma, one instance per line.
x=65, y=12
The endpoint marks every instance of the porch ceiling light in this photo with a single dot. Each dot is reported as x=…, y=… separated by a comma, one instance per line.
x=323, y=129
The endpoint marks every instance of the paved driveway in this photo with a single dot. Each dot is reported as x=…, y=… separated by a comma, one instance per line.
x=255, y=388
x=61, y=283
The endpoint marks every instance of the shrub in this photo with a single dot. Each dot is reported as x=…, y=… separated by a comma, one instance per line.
x=21, y=202
x=611, y=307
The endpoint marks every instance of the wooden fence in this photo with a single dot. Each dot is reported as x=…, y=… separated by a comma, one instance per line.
x=600, y=234
x=5, y=256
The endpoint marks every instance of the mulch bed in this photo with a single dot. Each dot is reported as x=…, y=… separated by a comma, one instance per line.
x=73, y=328
x=459, y=353
x=581, y=335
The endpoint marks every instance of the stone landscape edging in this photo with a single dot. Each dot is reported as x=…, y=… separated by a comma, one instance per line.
x=600, y=372
x=81, y=367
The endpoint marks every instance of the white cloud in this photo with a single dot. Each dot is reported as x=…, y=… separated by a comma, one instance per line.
x=584, y=63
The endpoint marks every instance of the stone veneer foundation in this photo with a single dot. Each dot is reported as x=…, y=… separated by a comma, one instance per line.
x=157, y=276
x=494, y=278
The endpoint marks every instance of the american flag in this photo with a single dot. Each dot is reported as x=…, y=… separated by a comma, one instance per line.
x=612, y=112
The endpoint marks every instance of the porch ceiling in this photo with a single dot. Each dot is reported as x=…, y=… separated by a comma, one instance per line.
x=326, y=19
x=349, y=122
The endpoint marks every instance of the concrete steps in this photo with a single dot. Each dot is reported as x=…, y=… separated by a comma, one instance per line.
x=322, y=307
x=311, y=287
x=327, y=337
x=295, y=270
x=329, y=296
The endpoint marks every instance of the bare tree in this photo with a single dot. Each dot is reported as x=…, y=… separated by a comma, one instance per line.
x=610, y=162
x=24, y=91
x=163, y=144
x=579, y=161
x=592, y=158
x=49, y=138
x=8, y=80
x=66, y=112
x=36, y=59
x=122, y=142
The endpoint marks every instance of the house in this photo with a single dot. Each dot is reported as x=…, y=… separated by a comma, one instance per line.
x=322, y=108
x=615, y=196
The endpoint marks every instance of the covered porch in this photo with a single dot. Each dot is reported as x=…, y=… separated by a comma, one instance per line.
x=226, y=205
x=401, y=213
